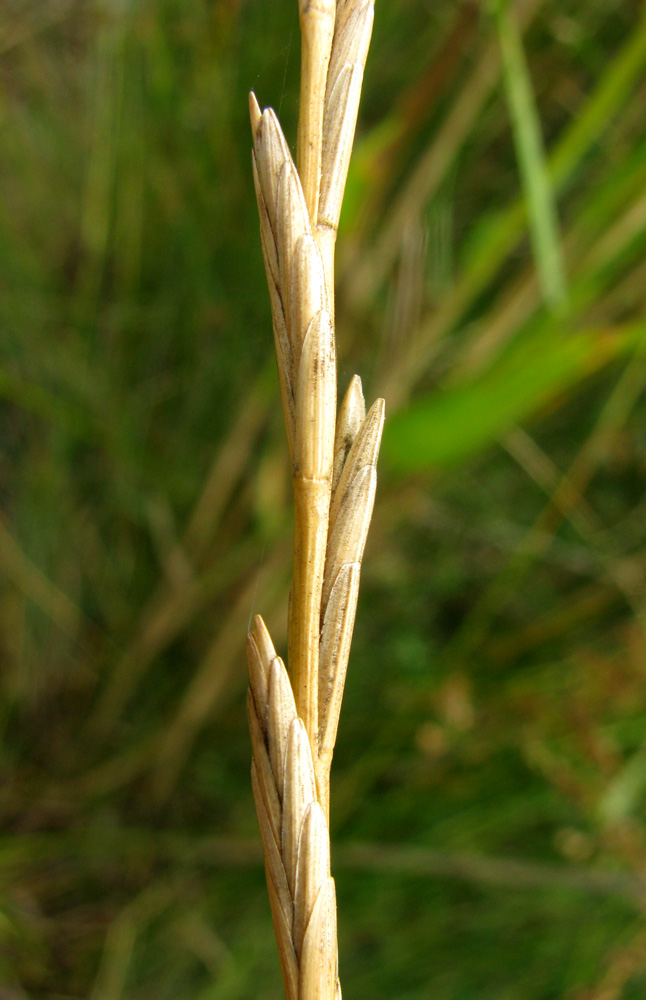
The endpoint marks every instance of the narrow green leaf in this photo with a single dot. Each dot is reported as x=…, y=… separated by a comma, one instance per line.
x=456, y=422
x=539, y=195
x=495, y=237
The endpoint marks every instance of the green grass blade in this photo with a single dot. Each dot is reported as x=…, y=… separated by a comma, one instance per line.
x=539, y=195
x=496, y=236
x=454, y=423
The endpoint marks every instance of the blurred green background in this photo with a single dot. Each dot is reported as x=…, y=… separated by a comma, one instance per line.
x=489, y=786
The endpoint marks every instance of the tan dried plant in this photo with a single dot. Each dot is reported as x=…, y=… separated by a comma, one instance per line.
x=293, y=717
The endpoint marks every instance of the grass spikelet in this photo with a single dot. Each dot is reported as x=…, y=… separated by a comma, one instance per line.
x=353, y=28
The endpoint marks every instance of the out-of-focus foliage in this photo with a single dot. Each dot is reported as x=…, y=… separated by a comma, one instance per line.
x=489, y=788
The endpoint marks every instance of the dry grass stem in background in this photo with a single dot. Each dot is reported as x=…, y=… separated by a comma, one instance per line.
x=294, y=722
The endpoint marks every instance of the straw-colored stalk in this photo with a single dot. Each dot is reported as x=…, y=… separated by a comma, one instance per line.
x=294, y=717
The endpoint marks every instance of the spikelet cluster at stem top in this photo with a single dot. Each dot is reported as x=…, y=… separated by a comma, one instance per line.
x=294, y=718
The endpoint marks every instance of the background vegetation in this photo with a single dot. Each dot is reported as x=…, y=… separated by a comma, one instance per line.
x=489, y=789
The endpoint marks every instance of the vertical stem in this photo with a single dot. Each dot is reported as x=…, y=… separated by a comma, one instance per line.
x=311, y=486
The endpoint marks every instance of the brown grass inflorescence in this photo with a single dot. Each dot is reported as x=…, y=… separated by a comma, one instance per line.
x=294, y=717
